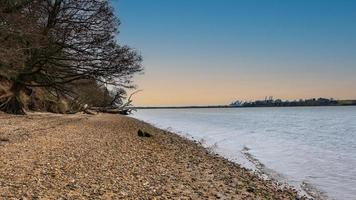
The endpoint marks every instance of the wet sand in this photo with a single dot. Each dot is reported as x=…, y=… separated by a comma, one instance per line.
x=50, y=156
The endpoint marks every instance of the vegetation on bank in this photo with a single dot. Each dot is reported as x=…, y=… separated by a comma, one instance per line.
x=266, y=103
x=59, y=55
x=270, y=102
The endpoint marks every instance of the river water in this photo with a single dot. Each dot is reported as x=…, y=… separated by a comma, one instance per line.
x=311, y=148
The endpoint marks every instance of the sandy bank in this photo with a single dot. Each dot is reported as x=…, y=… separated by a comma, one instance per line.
x=51, y=156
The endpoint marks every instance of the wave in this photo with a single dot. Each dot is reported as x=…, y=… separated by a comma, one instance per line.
x=312, y=191
x=304, y=188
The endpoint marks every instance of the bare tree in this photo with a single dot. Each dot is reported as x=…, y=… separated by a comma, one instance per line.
x=60, y=42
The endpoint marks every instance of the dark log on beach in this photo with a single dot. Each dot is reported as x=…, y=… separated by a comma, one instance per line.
x=111, y=110
x=117, y=111
x=87, y=111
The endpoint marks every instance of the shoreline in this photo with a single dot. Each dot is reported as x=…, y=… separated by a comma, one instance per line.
x=81, y=156
x=305, y=190
x=235, y=107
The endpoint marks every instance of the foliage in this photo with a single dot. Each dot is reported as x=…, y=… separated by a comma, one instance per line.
x=279, y=103
x=60, y=45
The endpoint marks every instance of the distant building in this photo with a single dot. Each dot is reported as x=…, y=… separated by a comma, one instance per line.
x=236, y=103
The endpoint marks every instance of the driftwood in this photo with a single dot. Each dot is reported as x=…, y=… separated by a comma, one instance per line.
x=124, y=109
x=111, y=110
x=87, y=111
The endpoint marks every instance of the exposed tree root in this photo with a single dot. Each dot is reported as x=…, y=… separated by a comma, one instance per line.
x=12, y=105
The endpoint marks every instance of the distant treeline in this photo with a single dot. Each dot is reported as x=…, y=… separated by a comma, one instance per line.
x=270, y=102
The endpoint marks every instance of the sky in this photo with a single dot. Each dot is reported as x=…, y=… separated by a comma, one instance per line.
x=212, y=52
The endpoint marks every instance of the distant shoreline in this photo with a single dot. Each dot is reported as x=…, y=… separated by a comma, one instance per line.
x=179, y=107
x=227, y=106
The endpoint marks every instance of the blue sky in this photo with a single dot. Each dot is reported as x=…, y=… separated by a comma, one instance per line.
x=215, y=51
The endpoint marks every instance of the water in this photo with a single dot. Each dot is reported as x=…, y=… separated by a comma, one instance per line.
x=310, y=147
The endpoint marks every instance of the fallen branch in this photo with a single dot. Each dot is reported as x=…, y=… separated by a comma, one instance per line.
x=111, y=110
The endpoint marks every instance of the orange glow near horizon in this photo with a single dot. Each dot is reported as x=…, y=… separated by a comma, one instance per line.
x=213, y=88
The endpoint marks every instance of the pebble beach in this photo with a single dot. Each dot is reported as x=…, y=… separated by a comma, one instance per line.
x=53, y=156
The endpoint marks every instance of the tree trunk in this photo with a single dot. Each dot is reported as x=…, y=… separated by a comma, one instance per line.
x=13, y=103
